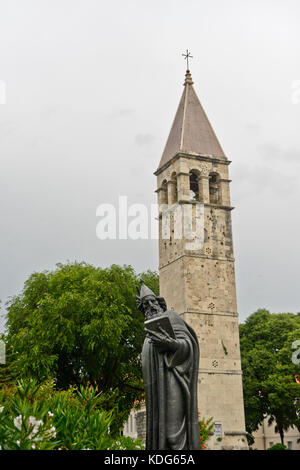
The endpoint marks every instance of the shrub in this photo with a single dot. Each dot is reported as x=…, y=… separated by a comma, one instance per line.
x=278, y=446
x=205, y=427
x=38, y=417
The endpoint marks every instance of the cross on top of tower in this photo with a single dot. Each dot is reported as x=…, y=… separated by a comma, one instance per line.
x=187, y=56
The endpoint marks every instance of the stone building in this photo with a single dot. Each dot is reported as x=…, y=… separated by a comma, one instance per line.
x=266, y=437
x=135, y=426
x=197, y=278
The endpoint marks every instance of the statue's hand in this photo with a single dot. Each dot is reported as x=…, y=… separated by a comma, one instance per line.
x=162, y=340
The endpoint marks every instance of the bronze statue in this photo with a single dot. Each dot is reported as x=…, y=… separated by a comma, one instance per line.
x=170, y=370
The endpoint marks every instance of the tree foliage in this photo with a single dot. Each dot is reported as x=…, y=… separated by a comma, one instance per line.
x=79, y=324
x=269, y=374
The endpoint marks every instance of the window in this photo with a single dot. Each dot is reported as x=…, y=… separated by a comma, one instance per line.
x=290, y=445
x=164, y=196
x=194, y=186
x=214, y=188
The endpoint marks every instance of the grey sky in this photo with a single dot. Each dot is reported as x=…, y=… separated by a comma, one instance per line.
x=92, y=89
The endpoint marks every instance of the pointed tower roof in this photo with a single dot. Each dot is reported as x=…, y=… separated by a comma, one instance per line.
x=191, y=131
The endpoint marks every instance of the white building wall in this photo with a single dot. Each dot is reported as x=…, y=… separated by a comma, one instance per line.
x=266, y=436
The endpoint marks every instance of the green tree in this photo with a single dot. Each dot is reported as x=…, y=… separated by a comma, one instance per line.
x=270, y=388
x=79, y=324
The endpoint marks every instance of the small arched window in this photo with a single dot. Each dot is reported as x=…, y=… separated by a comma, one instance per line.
x=164, y=192
x=194, y=186
x=214, y=192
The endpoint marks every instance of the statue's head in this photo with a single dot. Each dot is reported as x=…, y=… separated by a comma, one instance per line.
x=149, y=303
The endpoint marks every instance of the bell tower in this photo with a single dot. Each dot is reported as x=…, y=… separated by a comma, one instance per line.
x=198, y=279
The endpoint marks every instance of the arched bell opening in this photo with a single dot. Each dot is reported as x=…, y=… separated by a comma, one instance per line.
x=195, y=193
x=214, y=188
x=164, y=192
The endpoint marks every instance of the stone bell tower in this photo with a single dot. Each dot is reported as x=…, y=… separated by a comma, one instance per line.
x=198, y=280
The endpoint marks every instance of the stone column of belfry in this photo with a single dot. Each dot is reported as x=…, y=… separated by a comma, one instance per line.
x=200, y=284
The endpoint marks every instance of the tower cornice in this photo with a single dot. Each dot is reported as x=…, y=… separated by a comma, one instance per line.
x=198, y=157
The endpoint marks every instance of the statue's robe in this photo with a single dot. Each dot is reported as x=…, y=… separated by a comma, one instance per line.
x=170, y=380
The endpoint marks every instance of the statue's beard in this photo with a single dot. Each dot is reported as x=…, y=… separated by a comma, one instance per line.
x=152, y=311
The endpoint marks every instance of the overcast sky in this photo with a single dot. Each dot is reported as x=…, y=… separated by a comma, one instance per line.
x=92, y=88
